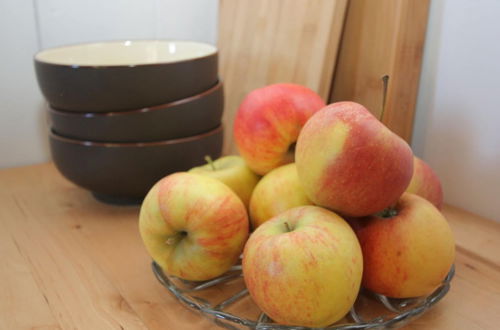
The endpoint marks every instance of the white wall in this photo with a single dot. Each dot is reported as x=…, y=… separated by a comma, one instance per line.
x=457, y=126
x=72, y=21
x=22, y=124
x=29, y=26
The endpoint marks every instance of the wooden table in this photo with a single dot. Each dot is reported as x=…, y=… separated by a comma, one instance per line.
x=70, y=262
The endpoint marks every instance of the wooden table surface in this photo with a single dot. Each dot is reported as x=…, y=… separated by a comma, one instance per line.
x=70, y=262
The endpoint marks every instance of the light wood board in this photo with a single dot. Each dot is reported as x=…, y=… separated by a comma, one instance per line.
x=271, y=41
x=382, y=37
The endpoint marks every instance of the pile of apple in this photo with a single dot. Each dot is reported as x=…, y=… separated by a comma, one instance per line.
x=342, y=202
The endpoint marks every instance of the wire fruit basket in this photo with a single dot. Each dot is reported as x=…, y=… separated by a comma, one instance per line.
x=236, y=310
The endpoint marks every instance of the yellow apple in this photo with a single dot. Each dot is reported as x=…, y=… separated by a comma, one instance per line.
x=232, y=171
x=303, y=267
x=193, y=226
x=278, y=191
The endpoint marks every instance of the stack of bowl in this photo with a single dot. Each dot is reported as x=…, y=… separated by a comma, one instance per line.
x=125, y=114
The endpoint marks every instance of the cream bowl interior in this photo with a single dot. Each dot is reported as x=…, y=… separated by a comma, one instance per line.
x=118, y=53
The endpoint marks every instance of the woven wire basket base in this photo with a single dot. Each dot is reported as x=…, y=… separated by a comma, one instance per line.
x=236, y=310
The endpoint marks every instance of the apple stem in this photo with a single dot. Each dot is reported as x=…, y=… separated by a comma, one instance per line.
x=209, y=160
x=288, y=227
x=385, y=81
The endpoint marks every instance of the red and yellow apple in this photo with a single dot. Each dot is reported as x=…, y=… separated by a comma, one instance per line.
x=268, y=123
x=407, y=251
x=278, y=191
x=303, y=267
x=426, y=183
x=193, y=226
x=233, y=172
x=349, y=162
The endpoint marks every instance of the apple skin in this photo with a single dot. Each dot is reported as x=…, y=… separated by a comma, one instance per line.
x=233, y=172
x=210, y=214
x=278, y=191
x=309, y=276
x=349, y=162
x=426, y=183
x=409, y=254
x=268, y=122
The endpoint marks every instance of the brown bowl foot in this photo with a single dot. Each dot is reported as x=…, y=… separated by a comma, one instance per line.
x=116, y=200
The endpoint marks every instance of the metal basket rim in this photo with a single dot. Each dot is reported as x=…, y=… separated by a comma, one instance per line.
x=219, y=315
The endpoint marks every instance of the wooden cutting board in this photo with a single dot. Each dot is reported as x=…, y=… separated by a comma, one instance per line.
x=269, y=41
x=382, y=37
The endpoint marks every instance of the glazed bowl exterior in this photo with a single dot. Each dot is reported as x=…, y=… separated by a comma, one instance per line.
x=124, y=75
x=127, y=171
x=190, y=116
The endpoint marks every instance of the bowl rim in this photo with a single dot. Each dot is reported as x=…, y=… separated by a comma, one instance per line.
x=86, y=143
x=98, y=66
x=69, y=113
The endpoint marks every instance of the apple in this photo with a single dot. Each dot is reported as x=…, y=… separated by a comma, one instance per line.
x=407, y=250
x=348, y=161
x=232, y=171
x=193, y=226
x=303, y=267
x=268, y=122
x=426, y=183
x=278, y=191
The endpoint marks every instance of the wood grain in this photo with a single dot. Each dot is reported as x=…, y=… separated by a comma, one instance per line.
x=270, y=41
x=19, y=290
x=88, y=258
x=69, y=262
x=383, y=37
x=475, y=235
x=75, y=289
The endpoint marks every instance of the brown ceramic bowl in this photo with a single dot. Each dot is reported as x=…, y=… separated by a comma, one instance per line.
x=190, y=116
x=124, y=75
x=124, y=172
